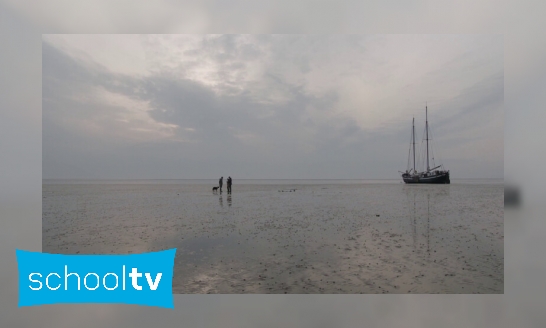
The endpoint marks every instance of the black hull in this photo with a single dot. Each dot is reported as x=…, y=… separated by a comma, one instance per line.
x=442, y=178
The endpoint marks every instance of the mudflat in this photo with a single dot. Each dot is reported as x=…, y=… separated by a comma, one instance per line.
x=291, y=236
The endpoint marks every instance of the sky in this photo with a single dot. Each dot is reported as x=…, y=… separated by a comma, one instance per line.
x=190, y=106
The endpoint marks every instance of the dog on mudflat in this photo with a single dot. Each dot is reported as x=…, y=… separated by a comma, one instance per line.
x=215, y=189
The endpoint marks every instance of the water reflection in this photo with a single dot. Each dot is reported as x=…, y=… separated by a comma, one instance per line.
x=414, y=225
x=412, y=196
x=462, y=238
x=221, y=200
x=318, y=240
x=428, y=224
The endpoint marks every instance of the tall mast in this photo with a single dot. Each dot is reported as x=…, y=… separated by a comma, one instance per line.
x=413, y=128
x=426, y=115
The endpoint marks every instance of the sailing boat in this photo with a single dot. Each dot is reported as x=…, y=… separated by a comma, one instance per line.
x=435, y=175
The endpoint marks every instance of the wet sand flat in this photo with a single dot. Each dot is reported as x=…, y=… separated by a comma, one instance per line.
x=323, y=238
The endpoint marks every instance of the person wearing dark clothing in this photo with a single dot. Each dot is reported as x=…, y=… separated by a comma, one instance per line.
x=220, y=183
x=229, y=185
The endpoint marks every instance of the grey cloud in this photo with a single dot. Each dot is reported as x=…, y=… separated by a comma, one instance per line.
x=279, y=138
x=182, y=102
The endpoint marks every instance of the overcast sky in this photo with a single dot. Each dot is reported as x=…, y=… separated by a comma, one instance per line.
x=269, y=106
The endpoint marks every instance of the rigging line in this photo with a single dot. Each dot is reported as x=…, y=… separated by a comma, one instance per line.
x=409, y=153
x=440, y=159
x=432, y=154
x=431, y=146
x=437, y=153
x=423, y=152
x=413, y=141
x=421, y=156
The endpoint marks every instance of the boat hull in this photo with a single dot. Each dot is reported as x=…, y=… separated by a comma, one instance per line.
x=441, y=178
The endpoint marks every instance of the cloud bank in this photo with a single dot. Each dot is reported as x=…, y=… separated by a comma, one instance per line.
x=268, y=106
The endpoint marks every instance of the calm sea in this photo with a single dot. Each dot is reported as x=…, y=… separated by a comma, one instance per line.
x=291, y=236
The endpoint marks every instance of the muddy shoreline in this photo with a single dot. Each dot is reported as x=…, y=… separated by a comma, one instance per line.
x=319, y=239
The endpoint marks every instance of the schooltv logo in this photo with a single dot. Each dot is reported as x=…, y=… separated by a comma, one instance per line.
x=143, y=279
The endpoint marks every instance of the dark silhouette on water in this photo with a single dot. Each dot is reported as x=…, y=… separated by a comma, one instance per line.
x=220, y=183
x=229, y=182
x=428, y=175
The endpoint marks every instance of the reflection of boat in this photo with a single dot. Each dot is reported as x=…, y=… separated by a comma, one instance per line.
x=435, y=175
x=415, y=222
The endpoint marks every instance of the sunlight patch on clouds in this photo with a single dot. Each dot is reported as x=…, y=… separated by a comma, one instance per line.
x=222, y=65
x=124, y=117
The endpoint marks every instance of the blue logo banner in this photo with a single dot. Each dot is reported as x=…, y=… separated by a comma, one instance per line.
x=144, y=279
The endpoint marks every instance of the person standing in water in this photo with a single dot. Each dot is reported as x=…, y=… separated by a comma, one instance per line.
x=220, y=183
x=229, y=185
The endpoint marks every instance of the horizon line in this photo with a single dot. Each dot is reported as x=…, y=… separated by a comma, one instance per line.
x=253, y=178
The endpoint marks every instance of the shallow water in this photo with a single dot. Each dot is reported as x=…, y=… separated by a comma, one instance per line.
x=325, y=237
